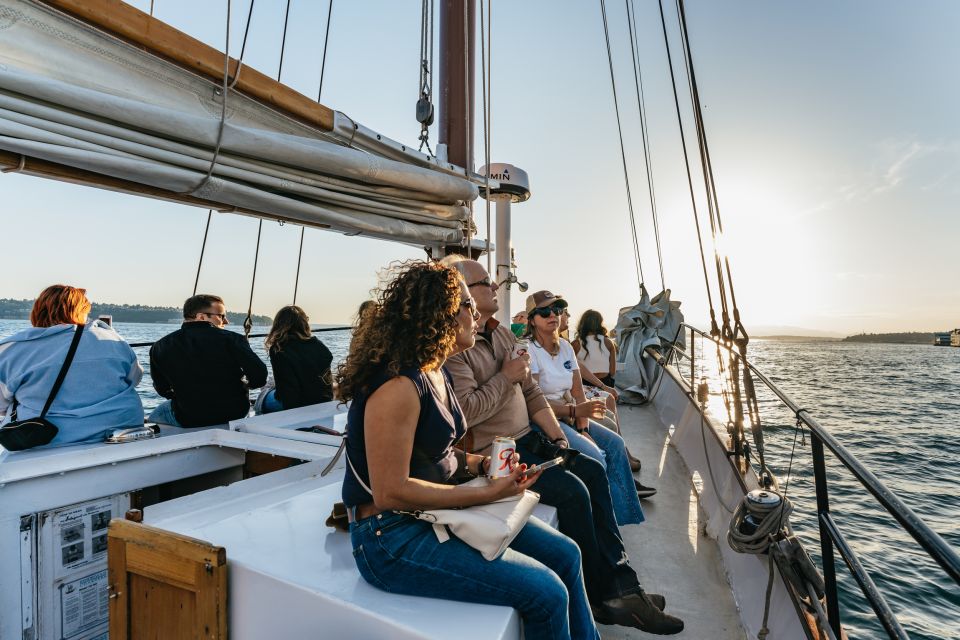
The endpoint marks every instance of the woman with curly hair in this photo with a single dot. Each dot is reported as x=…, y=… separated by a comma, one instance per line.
x=403, y=422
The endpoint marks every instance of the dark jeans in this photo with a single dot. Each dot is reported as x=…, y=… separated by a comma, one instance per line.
x=580, y=493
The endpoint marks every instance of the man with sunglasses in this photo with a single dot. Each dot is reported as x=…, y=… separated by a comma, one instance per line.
x=204, y=371
x=499, y=398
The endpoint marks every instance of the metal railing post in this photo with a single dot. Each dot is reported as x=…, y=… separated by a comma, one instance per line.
x=826, y=544
x=693, y=362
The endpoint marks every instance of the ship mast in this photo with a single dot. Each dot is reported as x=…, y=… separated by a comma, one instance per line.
x=457, y=23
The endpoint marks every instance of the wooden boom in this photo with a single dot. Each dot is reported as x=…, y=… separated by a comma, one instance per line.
x=159, y=38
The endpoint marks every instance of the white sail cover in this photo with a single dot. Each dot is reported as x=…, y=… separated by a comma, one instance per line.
x=649, y=323
x=76, y=96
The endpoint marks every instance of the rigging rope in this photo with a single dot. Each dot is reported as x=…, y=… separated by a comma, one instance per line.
x=714, y=328
x=223, y=116
x=468, y=101
x=425, y=110
x=323, y=65
x=705, y=167
x=641, y=105
x=283, y=42
x=203, y=249
x=326, y=40
x=623, y=153
x=486, y=54
x=296, y=280
x=248, y=321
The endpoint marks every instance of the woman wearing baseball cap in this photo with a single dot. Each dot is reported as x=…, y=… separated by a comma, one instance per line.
x=553, y=364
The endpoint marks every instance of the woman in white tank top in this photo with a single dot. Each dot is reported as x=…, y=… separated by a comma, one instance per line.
x=594, y=348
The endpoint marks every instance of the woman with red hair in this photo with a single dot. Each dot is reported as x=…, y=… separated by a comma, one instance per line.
x=99, y=392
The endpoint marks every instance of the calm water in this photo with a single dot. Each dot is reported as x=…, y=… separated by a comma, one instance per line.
x=896, y=407
x=134, y=332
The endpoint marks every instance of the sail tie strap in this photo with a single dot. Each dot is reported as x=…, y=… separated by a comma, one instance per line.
x=18, y=168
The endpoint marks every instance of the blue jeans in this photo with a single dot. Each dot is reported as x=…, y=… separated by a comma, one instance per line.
x=539, y=574
x=163, y=414
x=611, y=452
x=270, y=402
x=580, y=492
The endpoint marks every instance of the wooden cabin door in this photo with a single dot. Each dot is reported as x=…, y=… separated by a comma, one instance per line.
x=163, y=585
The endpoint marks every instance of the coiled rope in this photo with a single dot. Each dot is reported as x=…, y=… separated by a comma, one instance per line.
x=770, y=520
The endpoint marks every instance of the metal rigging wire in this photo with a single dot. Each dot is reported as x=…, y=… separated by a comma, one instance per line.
x=283, y=42
x=486, y=52
x=248, y=321
x=707, y=172
x=738, y=329
x=714, y=328
x=226, y=88
x=641, y=105
x=425, y=109
x=623, y=153
x=323, y=66
x=326, y=40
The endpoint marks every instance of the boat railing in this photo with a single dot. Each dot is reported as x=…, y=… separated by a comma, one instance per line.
x=255, y=335
x=831, y=538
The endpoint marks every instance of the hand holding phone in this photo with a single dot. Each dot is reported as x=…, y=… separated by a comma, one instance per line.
x=537, y=468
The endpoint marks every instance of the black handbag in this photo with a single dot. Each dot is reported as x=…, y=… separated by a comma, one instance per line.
x=36, y=432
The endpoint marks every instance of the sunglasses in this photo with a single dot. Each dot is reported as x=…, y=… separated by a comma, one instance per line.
x=544, y=312
x=469, y=303
x=222, y=316
x=486, y=282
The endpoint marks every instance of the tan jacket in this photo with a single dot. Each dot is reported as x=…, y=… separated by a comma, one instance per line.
x=492, y=405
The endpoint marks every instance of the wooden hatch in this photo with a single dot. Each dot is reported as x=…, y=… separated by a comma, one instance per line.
x=165, y=585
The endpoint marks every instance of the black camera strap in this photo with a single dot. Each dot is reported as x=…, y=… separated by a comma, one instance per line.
x=63, y=369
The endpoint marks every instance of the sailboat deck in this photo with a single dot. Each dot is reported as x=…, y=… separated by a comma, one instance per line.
x=669, y=550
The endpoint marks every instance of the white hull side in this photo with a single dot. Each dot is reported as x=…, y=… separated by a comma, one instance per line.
x=747, y=574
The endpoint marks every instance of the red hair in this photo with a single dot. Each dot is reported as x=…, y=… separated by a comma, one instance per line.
x=60, y=304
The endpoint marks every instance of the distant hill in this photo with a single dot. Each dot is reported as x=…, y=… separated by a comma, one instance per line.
x=20, y=310
x=908, y=337
x=789, y=332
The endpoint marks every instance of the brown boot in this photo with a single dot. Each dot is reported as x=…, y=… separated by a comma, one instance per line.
x=636, y=610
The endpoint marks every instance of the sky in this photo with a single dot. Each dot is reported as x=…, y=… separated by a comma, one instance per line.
x=831, y=125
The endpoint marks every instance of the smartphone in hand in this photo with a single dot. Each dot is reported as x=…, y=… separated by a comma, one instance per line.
x=537, y=468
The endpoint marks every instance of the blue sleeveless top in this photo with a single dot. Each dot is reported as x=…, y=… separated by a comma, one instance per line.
x=438, y=428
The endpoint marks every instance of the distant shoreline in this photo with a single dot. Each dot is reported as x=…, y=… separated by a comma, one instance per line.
x=11, y=309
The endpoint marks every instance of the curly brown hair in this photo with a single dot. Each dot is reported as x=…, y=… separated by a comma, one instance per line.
x=414, y=324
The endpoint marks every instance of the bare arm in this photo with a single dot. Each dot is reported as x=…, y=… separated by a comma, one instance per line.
x=390, y=422
x=613, y=357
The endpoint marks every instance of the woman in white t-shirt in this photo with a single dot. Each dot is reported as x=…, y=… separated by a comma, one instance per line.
x=553, y=364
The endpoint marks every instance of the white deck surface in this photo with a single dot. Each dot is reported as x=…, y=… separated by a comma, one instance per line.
x=669, y=551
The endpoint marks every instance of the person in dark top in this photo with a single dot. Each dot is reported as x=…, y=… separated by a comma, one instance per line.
x=402, y=425
x=301, y=363
x=205, y=372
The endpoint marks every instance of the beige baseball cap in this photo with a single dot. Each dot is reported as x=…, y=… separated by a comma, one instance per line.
x=543, y=299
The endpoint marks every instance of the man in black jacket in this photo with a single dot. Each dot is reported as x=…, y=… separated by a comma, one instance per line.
x=204, y=371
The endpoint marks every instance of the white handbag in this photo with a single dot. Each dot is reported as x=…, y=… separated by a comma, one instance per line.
x=488, y=528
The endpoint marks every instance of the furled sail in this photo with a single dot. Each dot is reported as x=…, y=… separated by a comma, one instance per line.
x=650, y=323
x=76, y=96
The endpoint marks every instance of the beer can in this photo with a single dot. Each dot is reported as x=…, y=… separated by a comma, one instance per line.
x=501, y=456
x=520, y=348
